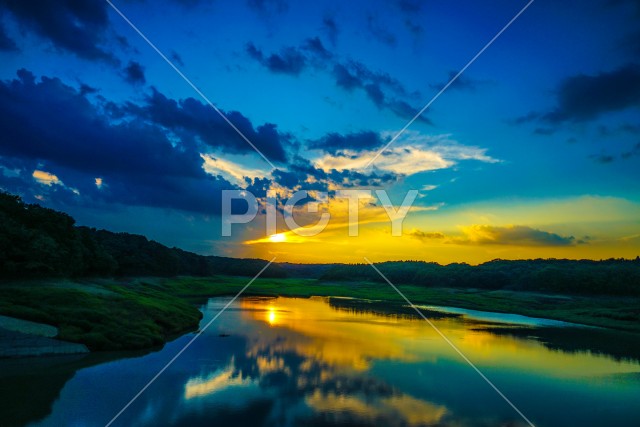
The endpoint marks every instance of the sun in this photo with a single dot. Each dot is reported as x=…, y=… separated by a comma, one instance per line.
x=278, y=238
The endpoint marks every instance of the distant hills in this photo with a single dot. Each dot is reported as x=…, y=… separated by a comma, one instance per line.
x=39, y=242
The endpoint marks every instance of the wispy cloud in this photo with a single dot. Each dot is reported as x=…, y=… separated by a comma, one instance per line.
x=230, y=170
x=510, y=235
x=49, y=179
x=46, y=178
x=412, y=154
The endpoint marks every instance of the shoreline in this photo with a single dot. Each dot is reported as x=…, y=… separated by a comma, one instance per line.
x=146, y=313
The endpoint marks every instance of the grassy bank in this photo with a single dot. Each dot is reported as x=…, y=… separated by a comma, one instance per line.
x=621, y=313
x=142, y=313
x=102, y=315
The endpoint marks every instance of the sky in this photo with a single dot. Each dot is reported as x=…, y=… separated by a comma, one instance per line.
x=532, y=152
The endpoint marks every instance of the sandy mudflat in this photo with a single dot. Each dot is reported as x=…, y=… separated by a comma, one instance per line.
x=27, y=327
x=20, y=338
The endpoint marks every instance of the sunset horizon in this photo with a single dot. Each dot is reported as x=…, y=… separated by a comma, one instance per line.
x=284, y=213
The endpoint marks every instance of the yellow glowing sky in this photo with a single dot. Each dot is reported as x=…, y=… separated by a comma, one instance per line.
x=601, y=227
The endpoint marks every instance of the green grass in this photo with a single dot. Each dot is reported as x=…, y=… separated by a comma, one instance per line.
x=610, y=312
x=143, y=313
x=127, y=318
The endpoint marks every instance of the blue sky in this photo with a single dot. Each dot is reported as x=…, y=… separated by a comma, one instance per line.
x=548, y=114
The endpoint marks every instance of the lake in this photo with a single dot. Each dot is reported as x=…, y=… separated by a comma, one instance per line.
x=341, y=362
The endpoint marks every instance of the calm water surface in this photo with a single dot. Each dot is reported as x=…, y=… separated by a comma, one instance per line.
x=338, y=362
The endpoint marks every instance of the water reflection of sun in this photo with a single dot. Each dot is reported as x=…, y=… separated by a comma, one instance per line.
x=271, y=316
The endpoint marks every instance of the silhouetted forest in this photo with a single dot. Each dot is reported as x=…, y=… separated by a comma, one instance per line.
x=40, y=242
x=586, y=277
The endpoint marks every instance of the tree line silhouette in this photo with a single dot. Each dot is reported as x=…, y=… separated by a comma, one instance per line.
x=37, y=242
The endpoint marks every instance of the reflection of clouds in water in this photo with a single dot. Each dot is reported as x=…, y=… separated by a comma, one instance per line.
x=304, y=387
x=303, y=361
x=395, y=410
x=219, y=380
x=311, y=327
x=353, y=339
x=319, y=366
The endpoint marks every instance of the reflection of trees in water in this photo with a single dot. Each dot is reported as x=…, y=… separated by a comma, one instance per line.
x=31, y=385
x=385, y=308
x=26, y=401
x=619, y=346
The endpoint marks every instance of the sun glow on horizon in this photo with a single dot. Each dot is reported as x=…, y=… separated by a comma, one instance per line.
x=278, y=238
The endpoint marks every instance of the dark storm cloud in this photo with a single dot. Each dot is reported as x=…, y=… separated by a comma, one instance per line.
x=78, y=27
x=379, y=32
x=366, y=75
x=406, y=111
x=288, y=61
x=191, y=3
x=414, y=28
x=602, y=158
x=625, y=128
x=266, y=7
x=527, y=118
x=384, y=91
x=584, y=97
x=330, y=29
x=175, y=57
x=635, y=151
x=358, y=141
x=53, y=121
x=628, y=154
x=409, y=6
x=544, y=131
x=134, y=73
x=632, y=129
x=631, y=44
x=258, y=186
x=192, y=118
x=302, y=174
x=56, y=127
x=463, y=82
x=344, y=78
x=314, y=46
x=635, y=4
x=286, y=179
x=375, y=94
x=7, y=44
x=411, y=9
x=353, y=179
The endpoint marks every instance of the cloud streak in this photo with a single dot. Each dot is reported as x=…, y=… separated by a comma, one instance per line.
x=581, y=98
x=510, y=235
x=412, y=154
